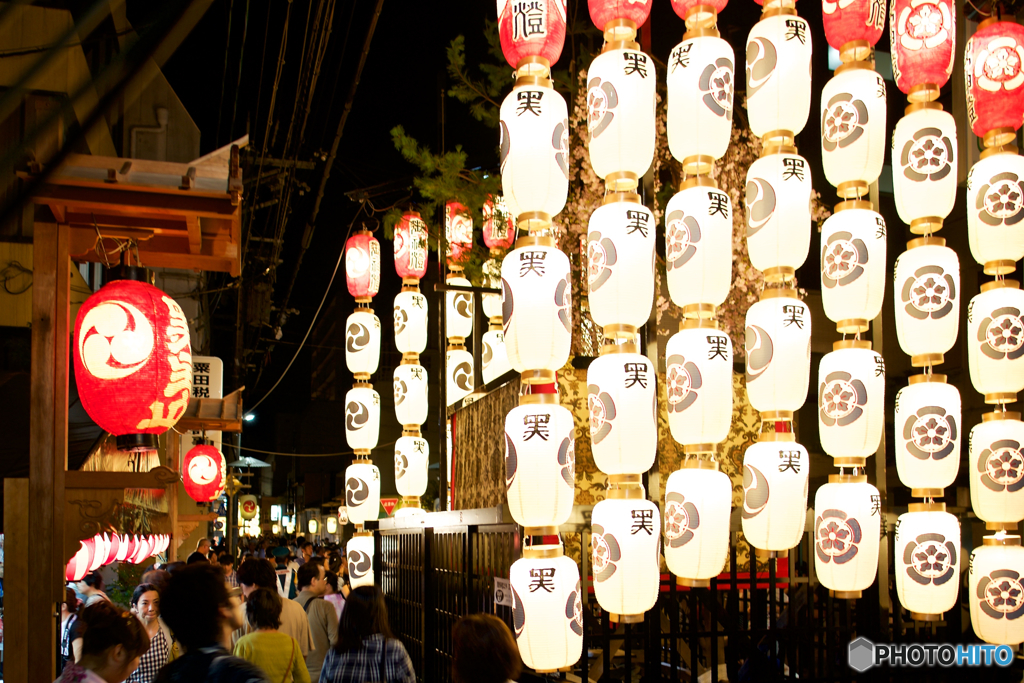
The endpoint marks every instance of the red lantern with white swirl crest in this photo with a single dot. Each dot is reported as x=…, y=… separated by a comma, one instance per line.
x=775, y=493
x=547, y=611
x=853, y=265
x=410, y=383
x=698, y=247
x=996, y=590
x=701, y=81
x=620, y=253
x=536, y=286
x=851, y=399
x=846, y=530
x=778, y=346
x=928, y=426
x=540, y=462
x=362, y=266
x=778, y=73
x=622, y=404
x=697, y=508
x=412, y=456
x=458, y=231
x=995, y=466
x=410, y=317
x=625, y=13
x=995, y=209
x=133, y=362
x=203, y=472
x=699, y=383
x=499, y=224
x=458, y=373
x=994, y=76
x=924, y=175
x=927, y=560
x=362, y=417
x=778, y=205
x=995, y=341
x=922, y=35
x=531, y=30
x=359, y=551
x=362, y=491
x=625, y=540
x=362, y=342
x=853, y=26
x=411, y=246
x=927, y=294
x=853, y=134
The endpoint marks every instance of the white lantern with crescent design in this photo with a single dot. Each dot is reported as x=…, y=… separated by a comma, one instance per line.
x=458, y=312
x=927, y=294
x=851, y=399
x=924, y=174
x=996, y=590
x=362, y=417
x=995, y=209
x=995, y=466
x=927, y=560
x=412, y=456
x=995, y=341
x=779, y=73
x=775, y=493
x=458, y=373
x=928, y=426
x=697, y=508
x=701, y=81
x=410, y=322
x=853, y=133
x=491, y=303
x=547, y=611
x=853, y=265
x=778, y=346
x=536, y=301
x=620, y=261
x=359, y=551
x=698, y=246
x=698, y=382
x=626, y=535
x=778, y=206
x=847, y=526
x=540, y=461
x=494, y=356
x=622, y=402
x=362, y=342
x=410, y=384
x=362, y=491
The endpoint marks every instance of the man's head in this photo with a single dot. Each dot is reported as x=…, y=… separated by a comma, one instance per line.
x=280, y=554
x=198, y=607
x=146, y=603
x=226, y=563
x=203, y=546
x=311, y=577
x=307, y=550
x=255, y=573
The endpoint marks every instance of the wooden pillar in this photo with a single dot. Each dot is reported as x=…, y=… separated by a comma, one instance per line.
x=16, y=567
x=174, y=462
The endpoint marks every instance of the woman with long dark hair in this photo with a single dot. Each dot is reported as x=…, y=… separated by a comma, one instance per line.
x=112, y=644
x=367, y=650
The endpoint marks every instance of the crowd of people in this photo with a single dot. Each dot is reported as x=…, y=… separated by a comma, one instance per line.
x=286, y=614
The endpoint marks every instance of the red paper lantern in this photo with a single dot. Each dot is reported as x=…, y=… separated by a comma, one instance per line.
x=531, y=29
x=362, y=265
x=115, y=545
x=994, y=71
x=133, y=361
x=499, y=229
x=204, y=473
x=123, y=548
x=684, y=7
x=847, y=21
x=458, y=231
x=78, y=566
x=101, y=546
x=411, y=246
x=602, y=12
x=923, y=38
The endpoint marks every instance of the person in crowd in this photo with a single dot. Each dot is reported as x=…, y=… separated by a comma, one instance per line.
x=228, y=567
x=254, y=574
x=202, y=612
x=172, y=567
x=91, y=589
x=157, y=578
x=484, y=651
x=306, y=550
x=112, y=643
x=265, y=646
x=202, y=550
x=323, y=620
x=146, y=606
x=366, y=650
x=285, y=574
x=334, y=594
x=70, y=629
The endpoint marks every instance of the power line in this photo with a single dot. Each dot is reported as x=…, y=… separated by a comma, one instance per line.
x=304, y=455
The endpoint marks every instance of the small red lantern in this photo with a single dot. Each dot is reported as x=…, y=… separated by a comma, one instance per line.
x=846, y=22
x=133, y=361
x=923, y=37
x=203, y=472
x=411, y=246
x=115, y=545
x=123, y=548
x=603, y=12
x=362, y=266
x=684, y=8
x=499, y=230
x=78, y=566
x=531, y=30
x=458, y=231
x=994, y=70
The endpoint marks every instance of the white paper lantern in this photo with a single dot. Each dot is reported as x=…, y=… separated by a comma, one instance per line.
x=412, y=455
x=928, y=427
x=410, y=322
x=536, y=288
x=699, y=384
x=491, y=303
x=846, y=531
x=410, y=394
x=626, y=540
x=360, y=560
x=540, y=463
x=927, y=559
x=362, y=417
x=853, y=133
x=927, y=294
x=851, y=400
x=996, y=468
x=620, y=261
x=779, y=73
x=774, y=494
x=701, y=81
x=362, y=491
x=406, y=512
x=924, y=156
x=534, y=148
x=995, y=341
x=547, y=611
x=458, y=312
x=622, y=403
x=778, y=205
x=698, y=245
x=620, y=112
x=995, y=208
x=494, y=356
x=853, y=265
x=697, y=508
x=996, y=590
x=458, y=374
x=778, y=346
x=362, y=342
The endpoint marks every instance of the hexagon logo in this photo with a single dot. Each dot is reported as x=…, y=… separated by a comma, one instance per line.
x=862, y=654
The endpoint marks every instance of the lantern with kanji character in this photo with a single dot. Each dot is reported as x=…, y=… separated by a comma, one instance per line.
x=924, y=173
x=853, y=134
x=698, y=500
x=775, y=492
x=343, y=515
x=846, y=531
x=547, y=610
x=621, y=399
x=994, y=77
x=410, y=322
x=458, y=312
x=701, y=81
x=458, y=231
x=626, y=530
x=536, y=286
x=995, y=466
x=410, y=382
x=928, y=426
x=927, y=294
x=458, y=373
x=927, y=560
x=540, y=461
x=411, y=246
x=995, y=590
x=853, y=265
x=698, y=382
x=362, y=342
x=359, y=551
x=494, y=356
x=203, y=472
x=778, y=351
x=248, y=507
x=778, y=205
x=995, y=341
x=922, y=38
x=362, y=265
x=362, y=417
x=620, y=255
x=362, y=491
x=531, y=32
x=853, y=26
x=491, y=303
x=779, y=73
x=698, y=247
x=851, y=399
x=499, y=224
x=995, y=209
x=412, y=456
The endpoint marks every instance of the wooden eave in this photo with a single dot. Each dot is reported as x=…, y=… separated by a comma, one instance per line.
x=213, y=414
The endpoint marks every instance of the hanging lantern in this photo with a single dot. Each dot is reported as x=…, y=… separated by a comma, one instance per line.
x=115, y=546
x=410, y=322
x=362, y=342
x=924, y=173
x=458, y=373
x=927, y=293
x=126, y=546
x=362, y=417
x=620, y=257
x=922, y=37
x=494, y=356
x=698, y=247
x=853, y=27
x=626, y=538
x=412, y=455
x=360, y=550
x=491, y=303
x=203, y=472
x=853, y=266
x=458, y=312
x=698, y=499
x=775, y=492
x=779, y=73
x=499, y=226
x=458, y=231
x=995, y=341
x=532, y=32
x=778, y=204
x=362, y=491
x=996, y=590
x=698, y=382
x=701, y=81
x=540, y=461
x=851, y=399
x=620, y=114
x=853, y=134
x=411, y=246
x=995, y=208
x=996, y=468
x=101, y=546
x=342, y=515
x=846, y=532
x=332, y=525
x=248, y=507
x=133, y=361
x=410, y=393
x=619, y=18
x=778, y=351
x=927, y=427
x=699, y=12
x=927, y=560
x=536, y=286
x=362, y=266
x=993, y=75
x=623, y=410
x=78, y=565
x=547, y=611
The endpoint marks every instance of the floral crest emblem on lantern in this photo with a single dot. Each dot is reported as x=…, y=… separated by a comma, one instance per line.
x=755, y=491
x=843, y=121
x=760, y=201
x=602, y=413
x=511, y=462
x=843, y=258
x=567, y=459
x=1001, y=334
x=1001, y=594
x=682, y=235
x=1000, y=200
x=601, y=256
x=837, y=537
x=924, y=24
x=606, y=553
x=574, y=609
x=1001, y=466
x=684, y=380
x=602, y=98
x=930, y=433
x=930, y=559
x=760, y=350
x=563, y=300
x=929, y=293
x=998, y=66
x=717, y=83
x=401, y=465
x=762, y=58
x=840, y=398
x=681, y=518
x=560, y=141
x=401, y=390
x=927, y=155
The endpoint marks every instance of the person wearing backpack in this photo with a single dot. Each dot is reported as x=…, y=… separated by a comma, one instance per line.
x=276, y=653
x=323, y=620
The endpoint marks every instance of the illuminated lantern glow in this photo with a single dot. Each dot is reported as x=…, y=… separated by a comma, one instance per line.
x=458, y=314
x=204, y=471
x=343, y=515
x=620, y=256
x=494, y=356
x=540, y=461
x=408, y=512
x=994, y=76
x=458, y=374
x=928, y=426
x=697, y=12
x=99, y=553
x=332, y=525
x=924, y=174
x=995, y=341
x=410, y=322
x=126, y=544
x=922, y=38
x=499, y=224
x=115, y=545
x=698, y=382
x=362, y=266
x=995, y=466
x=531, y=30
x=362, y=342
x=778, y=351
x=778, y=206
x=853, y=135
x=78, y=565
x=779, y=73
x=846, y=22
x=621, y=399
x=536, y=285
x=927, y=560
x=360, y=559
x=927, y=294
x=996, y=590
x=548, y=622
x=362, y=417
x=412, y=455
x=491, y=303
x=458, y=231
x=698, y=247
x=851, y=399
x=410, y=383
x=248, y=507
x=701, y=82
x=633, y=12
x=995, y=209
x=846, y=530
x=626, y=542
x=362, y=491
x=133, y=362
x=411, y=246
x=775, y=493
x=853, y=265
x=697, y=507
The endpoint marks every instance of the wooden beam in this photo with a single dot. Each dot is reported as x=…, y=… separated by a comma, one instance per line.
x=172, y=202
x=195, y=234
x=163, y=251
x=148, y=166
x=156, y=478
x=112, y=220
